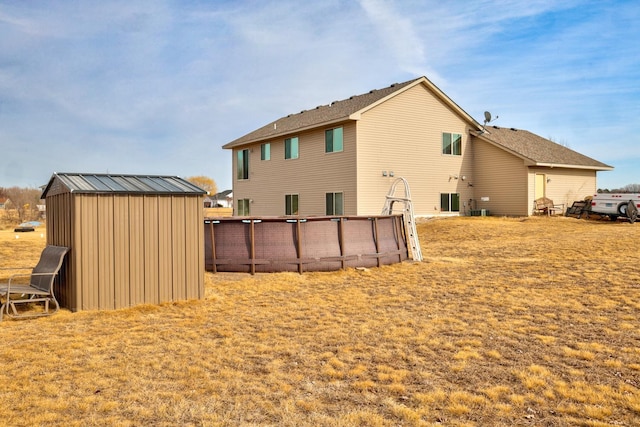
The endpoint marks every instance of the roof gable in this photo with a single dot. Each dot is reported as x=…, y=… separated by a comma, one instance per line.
x=222, y=194
x=538, y=151
x=124, y=184
x=339, y=111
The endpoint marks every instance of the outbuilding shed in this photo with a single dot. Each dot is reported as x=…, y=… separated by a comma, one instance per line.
x=134, y=239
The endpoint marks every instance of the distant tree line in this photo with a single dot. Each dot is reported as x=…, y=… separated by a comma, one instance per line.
x=629, y=188
x=22, y=202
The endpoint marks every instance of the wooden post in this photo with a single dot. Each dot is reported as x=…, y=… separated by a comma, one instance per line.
x=341, y=241
x=252, y=236
x=213, y=248
x=299, y=244
x=376, y=239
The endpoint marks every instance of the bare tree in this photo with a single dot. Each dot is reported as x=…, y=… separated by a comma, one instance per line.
x=204, y=182
x=630, y=188
x=24, y=201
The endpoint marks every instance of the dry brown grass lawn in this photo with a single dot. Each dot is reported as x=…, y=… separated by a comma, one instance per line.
x=506, y=322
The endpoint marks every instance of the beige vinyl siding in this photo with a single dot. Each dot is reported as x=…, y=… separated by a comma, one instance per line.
x=310, y=176
x=565, y=186
x=401, y=133
x=404, y=135
x=505, y=180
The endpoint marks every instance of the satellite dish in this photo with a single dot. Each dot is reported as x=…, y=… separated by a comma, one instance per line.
x=487, y=117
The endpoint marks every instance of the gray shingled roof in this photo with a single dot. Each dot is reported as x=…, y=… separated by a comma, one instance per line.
x=539, y=150
x=323, y=114
x=222, y=194
x=130, y=184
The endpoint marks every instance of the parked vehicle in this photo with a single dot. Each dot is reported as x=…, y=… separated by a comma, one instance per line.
x=616, y=205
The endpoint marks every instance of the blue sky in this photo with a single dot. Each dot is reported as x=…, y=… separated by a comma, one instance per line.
x=157, y=87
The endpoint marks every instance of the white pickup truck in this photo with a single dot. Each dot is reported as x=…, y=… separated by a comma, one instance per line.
x=616, y=205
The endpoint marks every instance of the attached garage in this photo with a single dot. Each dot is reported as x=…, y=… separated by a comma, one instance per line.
x=134, y=239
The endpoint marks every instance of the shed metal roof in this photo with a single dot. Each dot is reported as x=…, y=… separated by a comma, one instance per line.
x=125, y=184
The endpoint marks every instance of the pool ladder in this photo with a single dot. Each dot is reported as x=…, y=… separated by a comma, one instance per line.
x=407, y=214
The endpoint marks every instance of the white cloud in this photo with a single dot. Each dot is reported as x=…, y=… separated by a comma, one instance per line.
x=131, y=87
x=397, y=32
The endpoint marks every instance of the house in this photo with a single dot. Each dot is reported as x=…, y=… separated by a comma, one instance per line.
x=133, y=239
x=342, y=158
x=223, y=199
x=3, y=202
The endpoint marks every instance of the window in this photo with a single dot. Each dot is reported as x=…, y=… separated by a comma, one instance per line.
x=333, y=140
x=265, y=152
x=243, y=207
x=335, y=204
x=243, y=164
x=452, y=144
x=291, y=148
x=291, y=204
x=450, y=202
